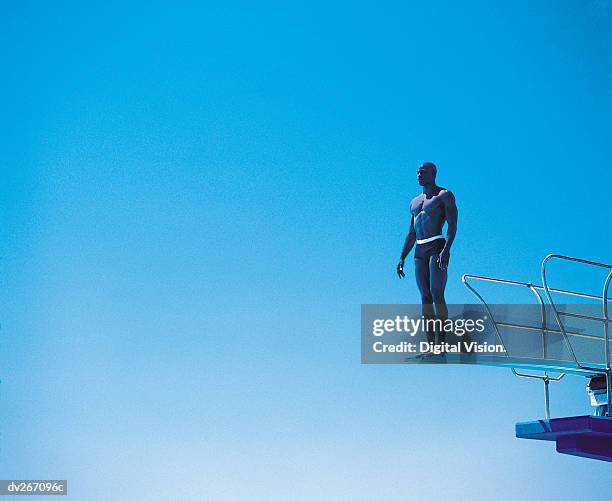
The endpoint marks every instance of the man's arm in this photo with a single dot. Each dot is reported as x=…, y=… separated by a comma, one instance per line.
x=451, y=213
x=408, y=244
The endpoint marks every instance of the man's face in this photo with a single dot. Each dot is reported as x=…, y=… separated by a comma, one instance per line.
x=425, y=175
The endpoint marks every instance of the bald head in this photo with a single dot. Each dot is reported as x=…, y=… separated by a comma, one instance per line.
x=427, y=173
x=430, y=166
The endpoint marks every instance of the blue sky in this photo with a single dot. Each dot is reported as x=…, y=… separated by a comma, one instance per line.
x=197, y=198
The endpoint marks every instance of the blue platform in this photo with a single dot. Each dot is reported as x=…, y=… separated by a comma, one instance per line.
x=585, y=436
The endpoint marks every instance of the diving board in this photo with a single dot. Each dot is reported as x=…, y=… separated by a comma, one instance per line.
x=572, y=339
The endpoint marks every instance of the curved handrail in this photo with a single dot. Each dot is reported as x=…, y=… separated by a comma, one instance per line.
x=606, y=319
x=532, y=288
x=604, y=298
x=605, y=311
x=557, y=291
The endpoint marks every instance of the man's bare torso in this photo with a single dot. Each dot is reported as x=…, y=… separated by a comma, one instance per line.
x=429, y=214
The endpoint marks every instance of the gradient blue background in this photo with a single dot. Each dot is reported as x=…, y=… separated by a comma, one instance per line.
x=196, y=199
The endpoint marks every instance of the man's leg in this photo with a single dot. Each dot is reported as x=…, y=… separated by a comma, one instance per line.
x=437, y=286
x=421, y=268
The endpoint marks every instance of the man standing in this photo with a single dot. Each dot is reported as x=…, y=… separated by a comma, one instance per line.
x=429, y=211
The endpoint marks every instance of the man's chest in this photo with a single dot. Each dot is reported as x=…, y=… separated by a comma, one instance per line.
x=427, y=205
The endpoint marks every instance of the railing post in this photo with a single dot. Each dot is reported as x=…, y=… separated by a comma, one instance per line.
x=609, y=394
x=546, y=399
x=607, y=347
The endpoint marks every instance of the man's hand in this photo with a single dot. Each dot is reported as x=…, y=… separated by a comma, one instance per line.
x=400, y=269
x=443, y=259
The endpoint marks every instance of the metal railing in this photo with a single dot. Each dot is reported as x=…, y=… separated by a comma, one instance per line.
x=546, y=378
x=605, y=319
